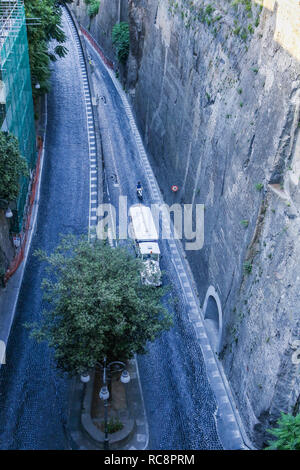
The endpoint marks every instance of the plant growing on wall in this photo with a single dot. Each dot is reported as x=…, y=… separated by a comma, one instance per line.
x=93, y=7
x=97, y=305
x=287, y=433
x=120, y=39
x=12, y=167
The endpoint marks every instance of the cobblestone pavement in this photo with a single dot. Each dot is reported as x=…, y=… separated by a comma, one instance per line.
x=33, y=396
x=179, y=402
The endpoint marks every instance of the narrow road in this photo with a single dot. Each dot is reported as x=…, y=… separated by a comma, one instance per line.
x=33, y=395
x=179, y=402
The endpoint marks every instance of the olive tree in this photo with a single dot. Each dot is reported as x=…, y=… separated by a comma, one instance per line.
x=96, y=305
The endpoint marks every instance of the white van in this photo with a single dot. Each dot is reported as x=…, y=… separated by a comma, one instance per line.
x=143, y=231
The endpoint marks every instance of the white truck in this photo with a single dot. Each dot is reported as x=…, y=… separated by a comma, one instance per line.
x=143, y=231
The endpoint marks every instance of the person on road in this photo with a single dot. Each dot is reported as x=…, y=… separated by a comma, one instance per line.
x=139, y=190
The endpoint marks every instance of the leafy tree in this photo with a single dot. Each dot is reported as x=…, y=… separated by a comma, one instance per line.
x=49, y=14
x=93, y=7
x=121, y=41
x=97, y=305
x=287, y=433
x=12, y=167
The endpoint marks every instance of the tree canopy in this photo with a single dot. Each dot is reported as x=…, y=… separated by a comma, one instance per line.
x=49, y=14
x=12, y=167
x=97, y=305
x=287, y=433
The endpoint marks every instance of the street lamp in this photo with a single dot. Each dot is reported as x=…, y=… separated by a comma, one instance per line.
x=104, y=392
x=8, y=212
x=85, y=378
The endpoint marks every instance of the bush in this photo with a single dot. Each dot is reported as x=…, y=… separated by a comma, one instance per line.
x=12, y=167
x=120, y=39
x=114, y=425
x=287, y=433
x=247, y=267
x=93, y=7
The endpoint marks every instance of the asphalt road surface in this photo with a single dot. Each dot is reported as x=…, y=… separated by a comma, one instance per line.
x=33, y=395
x=180, y=405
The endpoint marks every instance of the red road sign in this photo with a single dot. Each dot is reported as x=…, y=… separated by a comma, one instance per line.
x=174, y=188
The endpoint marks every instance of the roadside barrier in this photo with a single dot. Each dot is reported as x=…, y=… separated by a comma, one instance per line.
x=26, y=227
x=97, y=47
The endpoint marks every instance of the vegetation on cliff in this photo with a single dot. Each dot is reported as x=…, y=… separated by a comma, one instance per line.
x=120, y=39
x=92, y=7
x=245, y=13
x=287, y=433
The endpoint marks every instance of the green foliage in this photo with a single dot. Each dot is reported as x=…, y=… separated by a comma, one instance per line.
x=12, y=167
x=247, y=267
x=192, y=13
x=245, y=223
x=93, y=7
x=114, y=425
x=97, y=305
x=121, y=41
x=287, y=433
x=49, y=14
x=259, y=186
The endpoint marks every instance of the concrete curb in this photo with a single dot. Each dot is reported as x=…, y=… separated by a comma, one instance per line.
x=117, y=439
x=12, y=290
x=83, y=436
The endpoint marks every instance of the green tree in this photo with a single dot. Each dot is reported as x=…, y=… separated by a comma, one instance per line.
x=287, y=433
x=120, y=39
x=12, y=167
x=97, y=305
x=49, y=28
x=93, y=7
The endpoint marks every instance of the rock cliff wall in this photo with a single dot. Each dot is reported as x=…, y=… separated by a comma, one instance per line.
x=110, y=13
x=215, y=87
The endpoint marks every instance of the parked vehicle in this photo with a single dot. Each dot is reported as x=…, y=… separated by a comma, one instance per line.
x=143, y=231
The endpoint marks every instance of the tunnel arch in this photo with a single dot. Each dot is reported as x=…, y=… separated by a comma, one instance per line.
x=212, y=313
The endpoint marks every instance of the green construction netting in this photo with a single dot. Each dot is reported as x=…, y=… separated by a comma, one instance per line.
x=16, y=109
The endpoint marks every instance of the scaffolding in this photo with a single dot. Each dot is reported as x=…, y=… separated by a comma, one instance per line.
x=16, y=104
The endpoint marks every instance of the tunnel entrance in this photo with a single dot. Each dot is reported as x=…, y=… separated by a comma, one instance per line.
x=212, y=313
